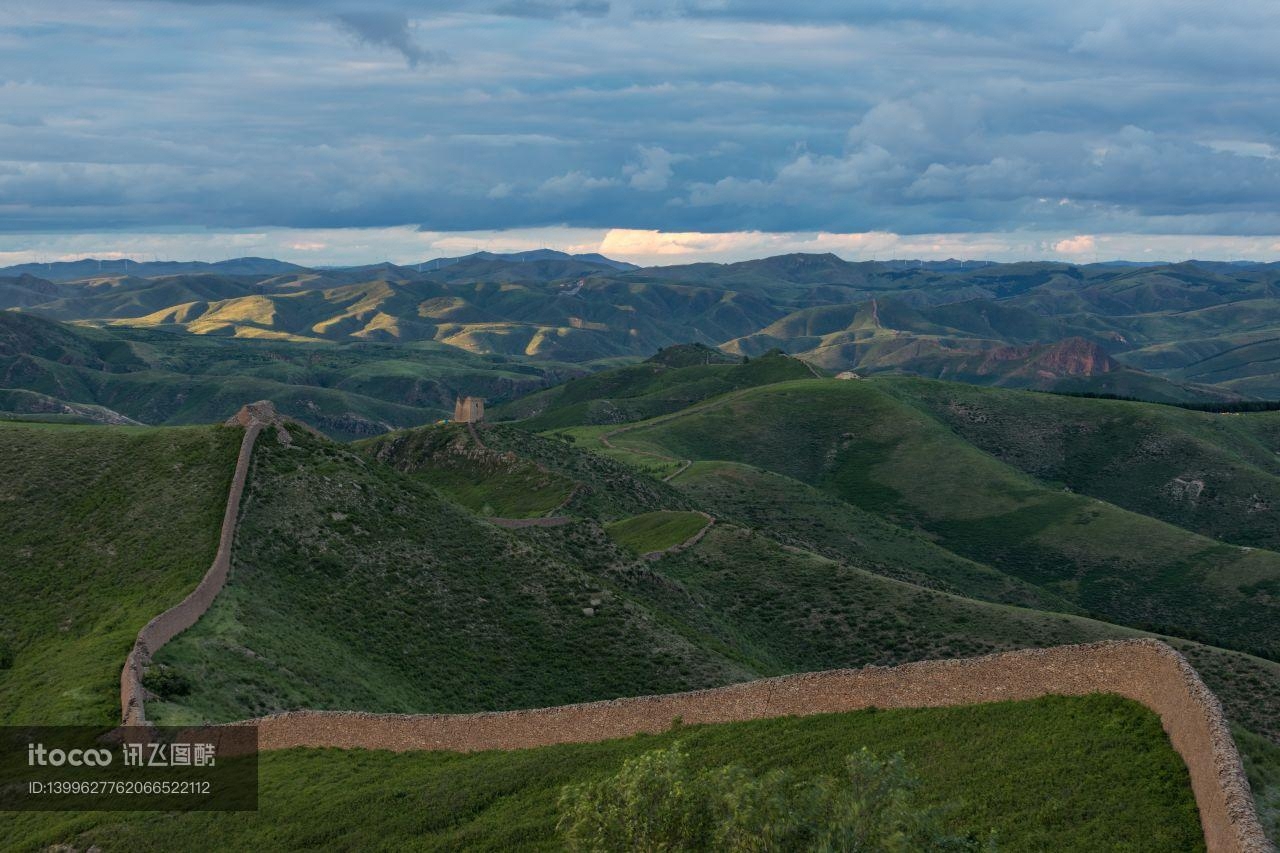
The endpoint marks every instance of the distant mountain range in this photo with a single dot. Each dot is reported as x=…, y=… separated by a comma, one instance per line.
x=89, y=268
x=1174, y=332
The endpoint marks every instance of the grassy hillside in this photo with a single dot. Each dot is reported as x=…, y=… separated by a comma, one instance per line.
x=672, y=380
x=868, y=448
x=102, y=528
x=1108, y=779
x=1177, y=331
x=655, y=531
x=797, y=514
x=357, y=586
x=1216, y=474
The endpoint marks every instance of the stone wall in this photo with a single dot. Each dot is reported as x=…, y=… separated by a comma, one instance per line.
x=1146, y=671
x=183, y=615
x=542, y=521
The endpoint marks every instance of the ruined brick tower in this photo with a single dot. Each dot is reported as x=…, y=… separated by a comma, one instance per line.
x=469, y=410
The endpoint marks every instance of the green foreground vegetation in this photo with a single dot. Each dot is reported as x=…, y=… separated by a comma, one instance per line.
x=1066, y=774
x=101, y=529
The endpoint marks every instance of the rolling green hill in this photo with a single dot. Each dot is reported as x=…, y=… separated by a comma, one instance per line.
x=1216, y=474
x=797, y=514
x=1177, y=332
x=488, y=482
x=520, y=473
x=866, y=447
x=102, y=528
x=357, y=586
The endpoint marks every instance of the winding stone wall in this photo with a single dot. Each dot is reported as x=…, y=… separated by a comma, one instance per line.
x=183, y=615
x=1147, y=671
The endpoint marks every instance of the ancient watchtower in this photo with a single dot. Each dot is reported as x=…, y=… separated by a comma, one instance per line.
x=469, y=410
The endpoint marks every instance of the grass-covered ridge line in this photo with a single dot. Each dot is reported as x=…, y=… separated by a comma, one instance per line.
x=1061, y=773
x=672, y=380
x=103, y=528
x=656, y=531
x=348, y=390
x=797, y=514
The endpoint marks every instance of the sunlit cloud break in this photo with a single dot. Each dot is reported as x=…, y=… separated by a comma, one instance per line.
x=409, y=245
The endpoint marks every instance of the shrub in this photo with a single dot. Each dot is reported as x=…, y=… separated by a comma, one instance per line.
x=657, y=802
x=165, y=682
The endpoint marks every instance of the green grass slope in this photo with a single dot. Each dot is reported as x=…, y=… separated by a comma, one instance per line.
x=101, y=528
x=866, y=447
x=655, y=531
x=522, y=472
x=347, y=390
x=1216, y=474
x=797, y=514
x=1067, y=774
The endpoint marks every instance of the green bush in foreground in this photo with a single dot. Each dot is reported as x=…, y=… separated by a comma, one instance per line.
x=658, y=802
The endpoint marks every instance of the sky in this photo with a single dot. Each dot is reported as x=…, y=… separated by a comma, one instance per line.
x=332, y=131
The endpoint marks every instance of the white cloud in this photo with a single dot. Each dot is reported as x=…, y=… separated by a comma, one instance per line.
x=1081, y=244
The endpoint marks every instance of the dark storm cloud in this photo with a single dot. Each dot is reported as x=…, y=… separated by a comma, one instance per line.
x=716, y=115
x=388, y=29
